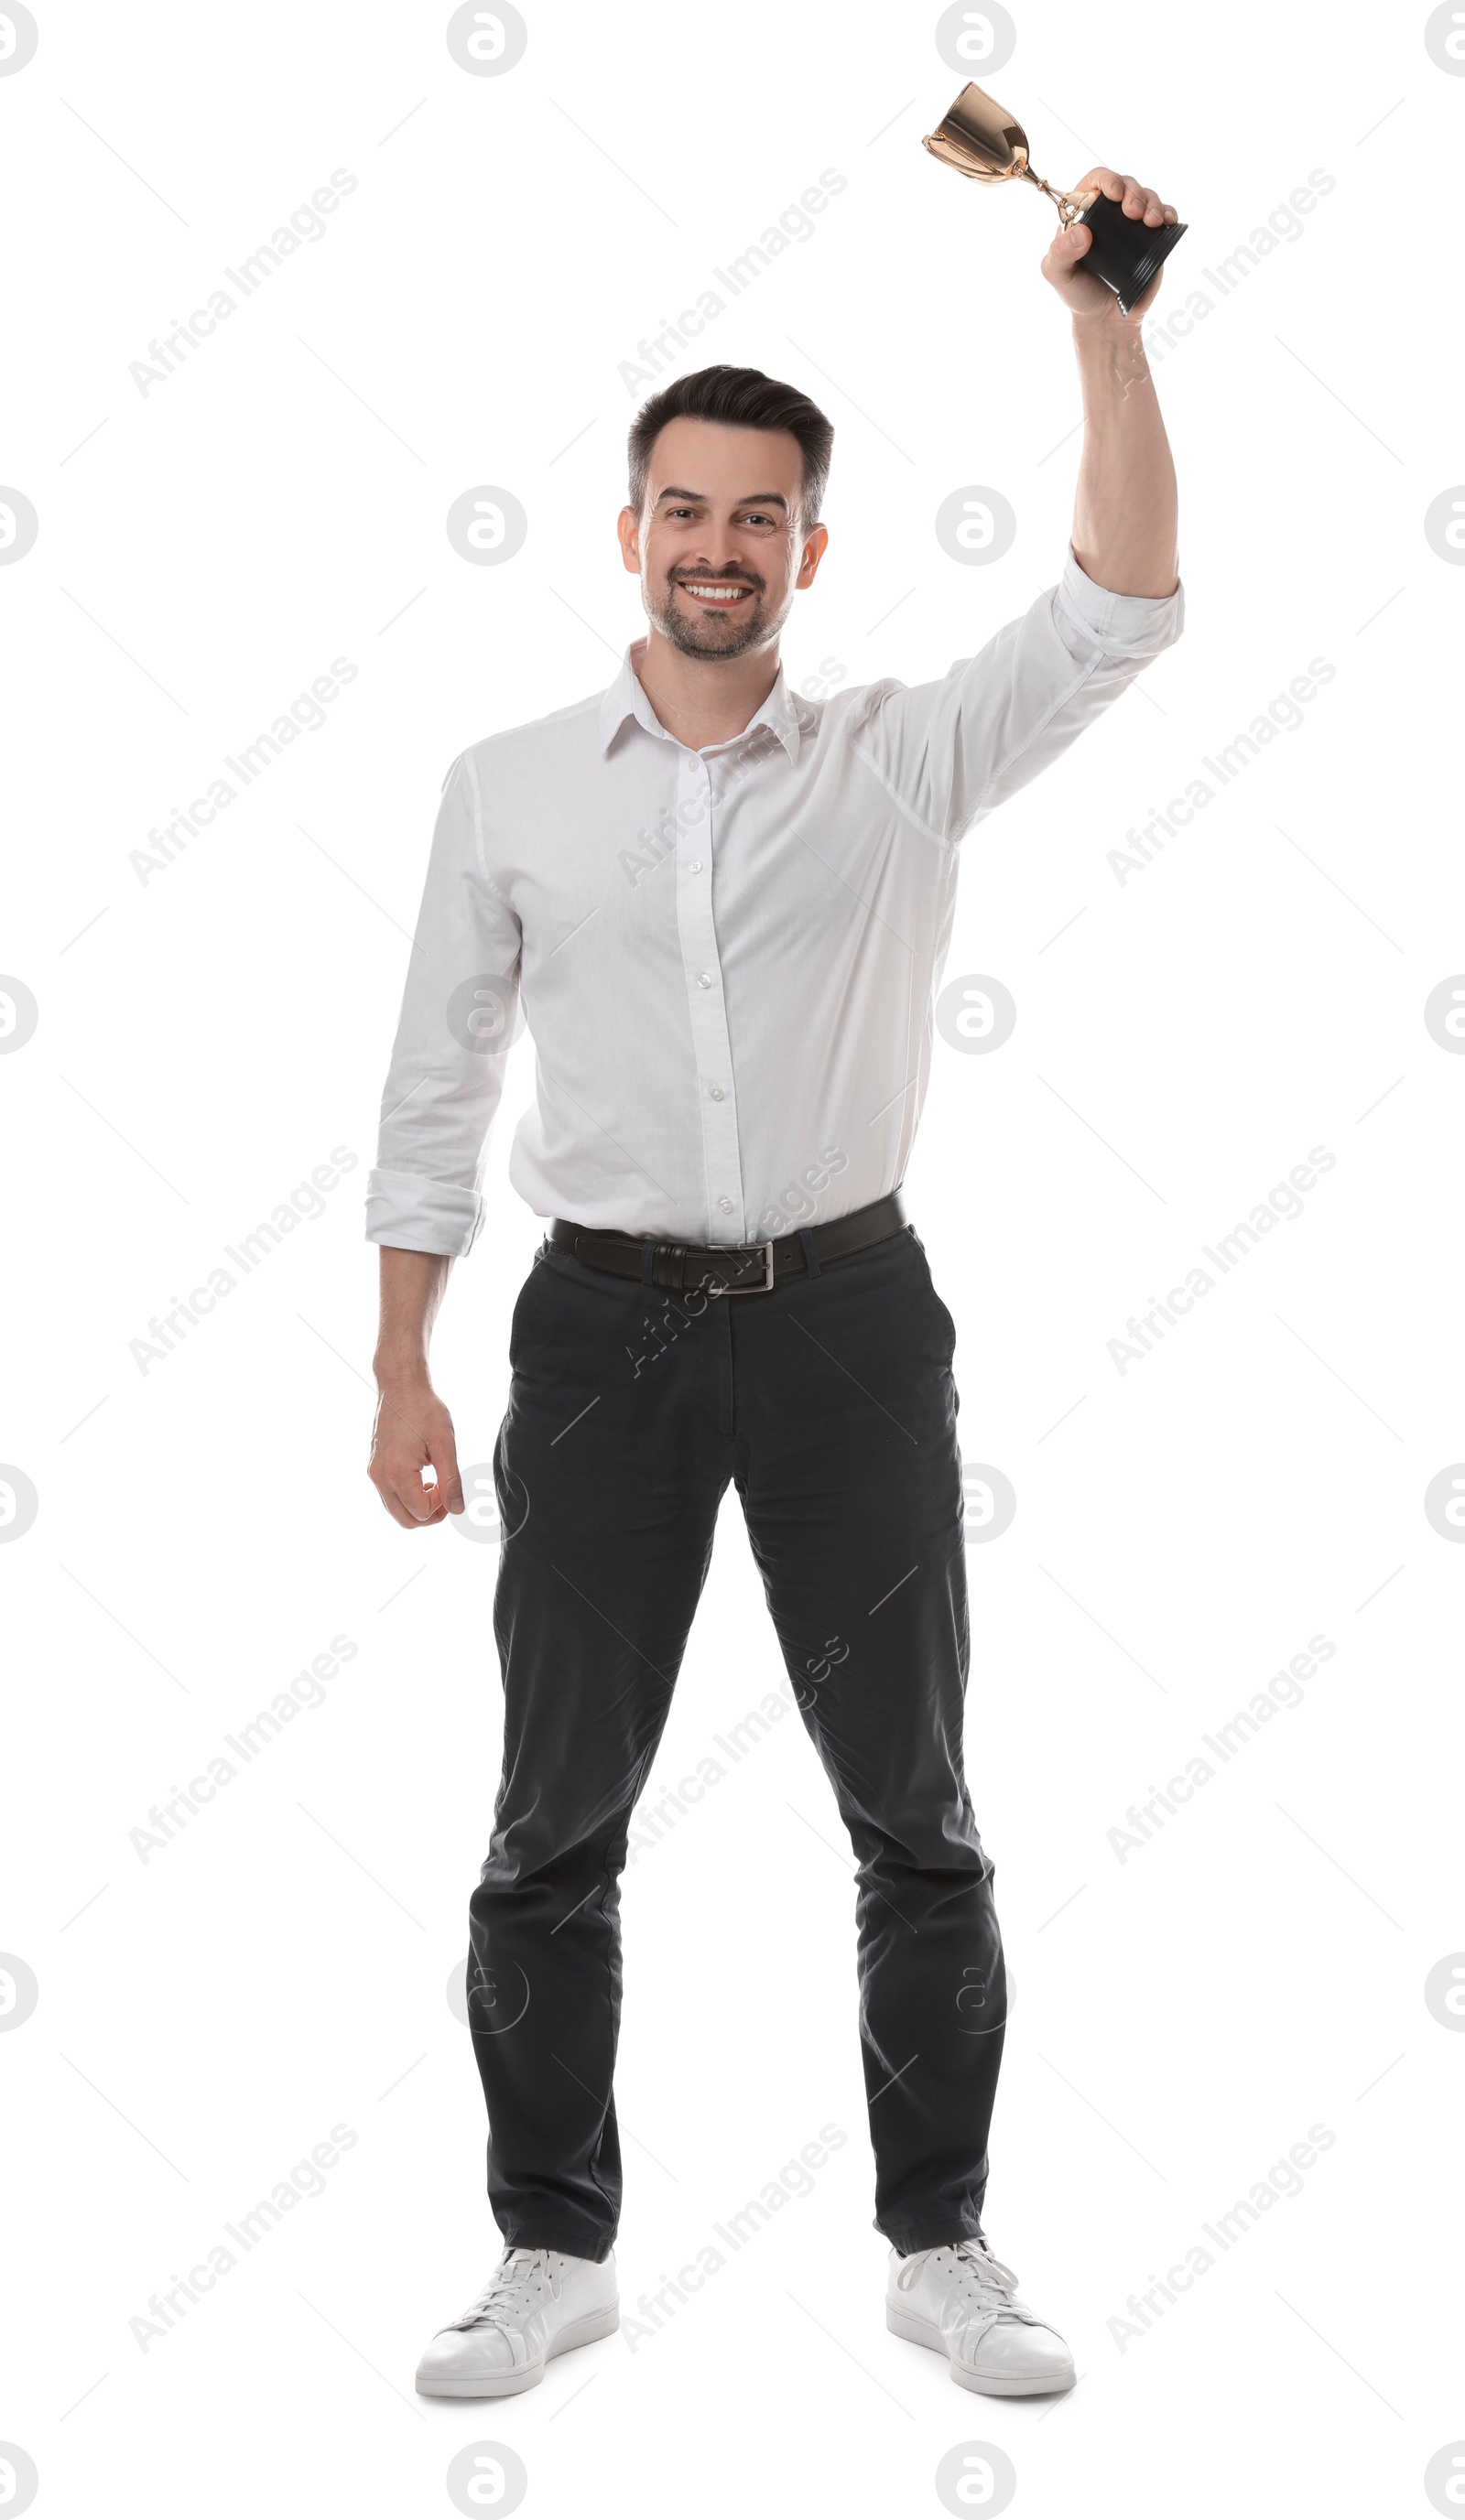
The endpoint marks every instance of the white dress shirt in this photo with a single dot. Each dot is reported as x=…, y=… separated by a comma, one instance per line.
x=729, y=959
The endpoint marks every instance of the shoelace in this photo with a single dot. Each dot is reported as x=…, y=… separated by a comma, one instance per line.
x=981, y=2277
x=510, y=2289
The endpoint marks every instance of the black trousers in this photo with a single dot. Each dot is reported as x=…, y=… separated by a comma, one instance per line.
x=830, y=1401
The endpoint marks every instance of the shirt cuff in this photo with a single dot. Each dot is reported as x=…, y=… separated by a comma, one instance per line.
x=415, y=1213
x=1122, y=625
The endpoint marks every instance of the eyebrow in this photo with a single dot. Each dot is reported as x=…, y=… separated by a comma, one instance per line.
x=754, y=498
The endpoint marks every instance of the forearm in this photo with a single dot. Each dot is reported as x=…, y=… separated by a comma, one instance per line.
x=413, y=1286
x=1125, y=511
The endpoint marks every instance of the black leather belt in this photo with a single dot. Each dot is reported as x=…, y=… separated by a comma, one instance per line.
x=728, y=1268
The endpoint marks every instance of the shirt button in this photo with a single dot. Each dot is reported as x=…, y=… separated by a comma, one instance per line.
x=726, y=1206
x=715, y=1092
x=697, y=866
x=704, y=979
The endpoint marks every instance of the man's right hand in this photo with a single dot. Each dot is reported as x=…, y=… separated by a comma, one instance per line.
x=413, y=1432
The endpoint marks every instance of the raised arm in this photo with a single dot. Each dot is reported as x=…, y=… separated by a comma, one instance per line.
x=1124, y=513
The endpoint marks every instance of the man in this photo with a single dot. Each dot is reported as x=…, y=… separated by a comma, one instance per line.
x=726, y=911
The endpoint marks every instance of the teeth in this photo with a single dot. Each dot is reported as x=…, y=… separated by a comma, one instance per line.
x=718, y=594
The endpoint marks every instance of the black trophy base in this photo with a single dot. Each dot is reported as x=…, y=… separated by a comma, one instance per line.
x=1124, y=253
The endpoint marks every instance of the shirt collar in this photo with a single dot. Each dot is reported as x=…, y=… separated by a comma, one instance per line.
x=782, y=711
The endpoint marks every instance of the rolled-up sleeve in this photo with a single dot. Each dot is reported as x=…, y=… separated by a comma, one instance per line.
x=446, y=1074
x=953, y=751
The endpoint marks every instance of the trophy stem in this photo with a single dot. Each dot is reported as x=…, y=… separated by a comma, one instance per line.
x=1068, y=205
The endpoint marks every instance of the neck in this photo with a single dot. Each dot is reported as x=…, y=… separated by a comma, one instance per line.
x=703, y=699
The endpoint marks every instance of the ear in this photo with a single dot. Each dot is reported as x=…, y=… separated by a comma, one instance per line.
x=814, y=549
x=629, y=527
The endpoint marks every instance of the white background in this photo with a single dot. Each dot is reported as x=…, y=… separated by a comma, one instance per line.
x=207, y=1037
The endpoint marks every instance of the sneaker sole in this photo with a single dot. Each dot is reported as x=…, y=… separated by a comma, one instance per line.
x=508, y=2384
x=920, y=2331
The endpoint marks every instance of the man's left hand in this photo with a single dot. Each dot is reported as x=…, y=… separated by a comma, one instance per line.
x=1063, y=264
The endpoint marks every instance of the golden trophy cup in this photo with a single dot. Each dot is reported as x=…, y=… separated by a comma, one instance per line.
x=980, y=139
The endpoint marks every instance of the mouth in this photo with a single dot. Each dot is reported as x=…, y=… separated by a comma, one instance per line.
x=723, y=593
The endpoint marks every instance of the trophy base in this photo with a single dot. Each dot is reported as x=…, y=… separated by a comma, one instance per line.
x=1124, y=253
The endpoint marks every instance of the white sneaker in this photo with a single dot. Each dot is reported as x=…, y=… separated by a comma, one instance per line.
x=538, y=2304
x=963, y=2303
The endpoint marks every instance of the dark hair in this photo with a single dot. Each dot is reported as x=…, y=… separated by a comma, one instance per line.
x=736, y=398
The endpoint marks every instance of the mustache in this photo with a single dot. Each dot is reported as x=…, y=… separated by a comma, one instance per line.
x=722, y=576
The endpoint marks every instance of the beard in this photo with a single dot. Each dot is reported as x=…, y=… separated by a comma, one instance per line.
x=699, y=631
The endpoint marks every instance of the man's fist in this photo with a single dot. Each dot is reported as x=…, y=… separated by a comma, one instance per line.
x=412, y=1433
x=1063, y=263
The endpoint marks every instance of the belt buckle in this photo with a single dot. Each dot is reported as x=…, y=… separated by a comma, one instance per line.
x=759, y=1285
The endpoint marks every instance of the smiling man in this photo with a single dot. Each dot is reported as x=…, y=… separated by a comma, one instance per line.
x=726, y=911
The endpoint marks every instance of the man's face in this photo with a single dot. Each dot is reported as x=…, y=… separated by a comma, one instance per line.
x=721, y=546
